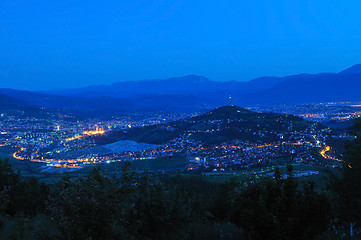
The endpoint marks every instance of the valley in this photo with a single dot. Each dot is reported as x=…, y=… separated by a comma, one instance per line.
x=226, y=141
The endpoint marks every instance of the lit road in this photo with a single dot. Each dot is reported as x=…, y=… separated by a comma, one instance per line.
x=85, y=134
x=324, y=153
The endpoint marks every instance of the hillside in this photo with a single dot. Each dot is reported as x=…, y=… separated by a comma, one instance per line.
x=355, y=69
x=222, y=124
x=186, y=85
x=294, y=89
x=12, y=104
x=352, y=126
x=310, y=88
x=198, y=93
x=110, y=105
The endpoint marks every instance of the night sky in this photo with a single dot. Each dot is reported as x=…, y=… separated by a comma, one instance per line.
x=63, y=44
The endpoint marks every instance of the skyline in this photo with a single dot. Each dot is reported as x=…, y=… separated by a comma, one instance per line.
x=109, y=84
x=68, y=45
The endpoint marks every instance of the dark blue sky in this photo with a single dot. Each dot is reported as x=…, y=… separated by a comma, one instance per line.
x=60, y=44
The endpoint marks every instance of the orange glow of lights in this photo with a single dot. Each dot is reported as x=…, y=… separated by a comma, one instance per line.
x=15, y=154
x=73, y=138
x=95, y=132
x=86, y=133
x=324, y=155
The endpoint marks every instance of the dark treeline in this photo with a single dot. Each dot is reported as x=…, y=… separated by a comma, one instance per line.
x=148, y=206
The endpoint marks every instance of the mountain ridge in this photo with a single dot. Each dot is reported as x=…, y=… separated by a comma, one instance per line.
x=355, y=69
x=9, y=104
x=326, y=87
x=198, y=93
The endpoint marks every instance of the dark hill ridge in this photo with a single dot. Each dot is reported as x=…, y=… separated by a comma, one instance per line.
x=316, y=89
x=230, y=109
x=220, y=125
x=310, y=88
x=355, y=69
x=108, y=105
x=187, y=85
x=295, y=89
x=8, y=103
x=197, y=93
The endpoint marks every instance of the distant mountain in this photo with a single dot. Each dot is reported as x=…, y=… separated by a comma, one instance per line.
x=198, y=93
x=295, y=89
x=175, y=103
x=355, y=69
x=187, y=85
x=109, y=105
x=310, y=88
x=181, y=94
x=222, y=124
x=352, y=125
x=12, y=104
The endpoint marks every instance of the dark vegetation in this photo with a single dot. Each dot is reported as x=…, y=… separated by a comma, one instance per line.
x=148, y=206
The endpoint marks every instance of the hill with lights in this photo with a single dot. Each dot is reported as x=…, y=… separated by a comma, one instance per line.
x=224, y=124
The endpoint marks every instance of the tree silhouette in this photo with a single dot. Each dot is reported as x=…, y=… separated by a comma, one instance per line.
x=280, y=209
